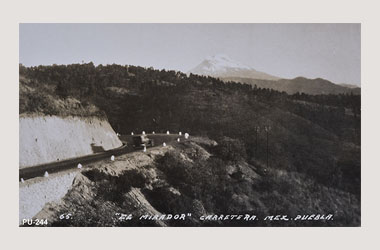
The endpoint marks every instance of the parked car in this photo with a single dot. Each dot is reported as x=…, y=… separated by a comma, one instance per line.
x=140, y=141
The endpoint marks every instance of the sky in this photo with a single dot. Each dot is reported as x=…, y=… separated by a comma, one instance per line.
x=329, y=51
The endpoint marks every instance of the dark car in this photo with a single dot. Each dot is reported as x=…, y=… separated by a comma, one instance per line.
x=140, y=141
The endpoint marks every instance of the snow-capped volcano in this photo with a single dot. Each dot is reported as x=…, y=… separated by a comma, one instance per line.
x=223, y=66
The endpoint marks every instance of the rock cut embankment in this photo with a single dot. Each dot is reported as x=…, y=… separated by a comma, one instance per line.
x=45, y=139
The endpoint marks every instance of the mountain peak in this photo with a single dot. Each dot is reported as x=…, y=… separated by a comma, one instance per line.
x=221, y=65
x=221, y=62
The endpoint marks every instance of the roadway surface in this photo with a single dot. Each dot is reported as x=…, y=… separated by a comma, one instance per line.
x=127, y=147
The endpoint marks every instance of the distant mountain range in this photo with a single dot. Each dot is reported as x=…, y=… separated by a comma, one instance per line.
x=223, y=67
x=316, y=86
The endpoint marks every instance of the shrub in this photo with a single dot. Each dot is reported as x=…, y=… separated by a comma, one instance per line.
x=230, y=149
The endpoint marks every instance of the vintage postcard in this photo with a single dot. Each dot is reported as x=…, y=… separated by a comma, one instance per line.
x=190, y=125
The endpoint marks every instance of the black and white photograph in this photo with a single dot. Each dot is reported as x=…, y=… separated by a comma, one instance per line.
x=189, y=125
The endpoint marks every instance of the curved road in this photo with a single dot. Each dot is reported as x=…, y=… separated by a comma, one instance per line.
x=39, y=170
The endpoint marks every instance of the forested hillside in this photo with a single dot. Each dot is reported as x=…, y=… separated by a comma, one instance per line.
x=317, y=136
